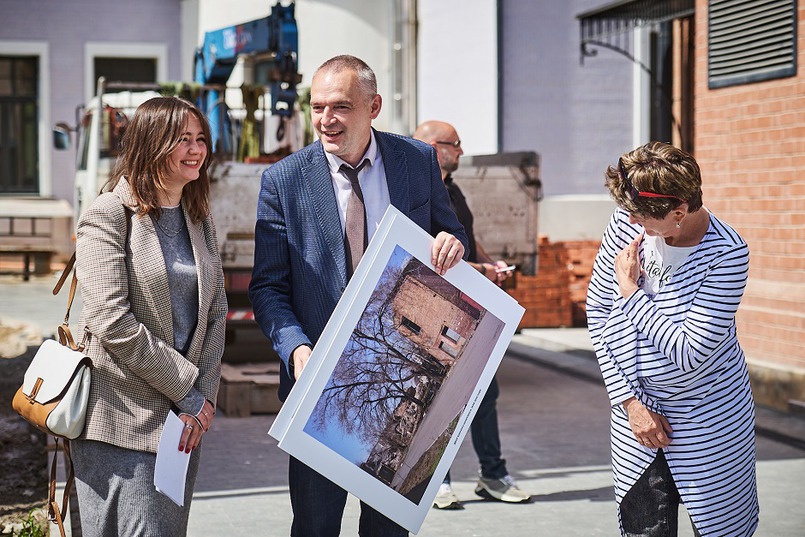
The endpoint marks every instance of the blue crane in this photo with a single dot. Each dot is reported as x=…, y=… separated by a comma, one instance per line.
x=274, y=42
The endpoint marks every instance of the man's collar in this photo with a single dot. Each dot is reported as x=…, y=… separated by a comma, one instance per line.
x=335, y=162
x=448, y=180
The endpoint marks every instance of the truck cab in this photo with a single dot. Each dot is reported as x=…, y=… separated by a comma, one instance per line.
x=100, y=125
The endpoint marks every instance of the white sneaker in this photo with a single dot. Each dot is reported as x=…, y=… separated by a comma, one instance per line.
x=504, y=489
x=446, y=498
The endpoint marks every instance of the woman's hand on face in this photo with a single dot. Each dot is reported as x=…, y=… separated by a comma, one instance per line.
x=627, y=267
x=652, y=430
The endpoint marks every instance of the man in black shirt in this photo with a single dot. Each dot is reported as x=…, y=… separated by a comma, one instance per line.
x=494, y=482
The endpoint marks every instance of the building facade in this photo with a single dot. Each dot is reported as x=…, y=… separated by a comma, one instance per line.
x=670, y=70
x=432, y=313
x=51, y=53
x=733, y=75
x=750, y=144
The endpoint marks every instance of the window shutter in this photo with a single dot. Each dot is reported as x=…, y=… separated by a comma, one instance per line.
x=750, y=41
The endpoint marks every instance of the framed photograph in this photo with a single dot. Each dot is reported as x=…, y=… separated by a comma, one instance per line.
x=395, y=379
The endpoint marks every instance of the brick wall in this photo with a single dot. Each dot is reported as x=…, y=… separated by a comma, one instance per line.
x=580, y=259
x=555, y=297
x=750, y=144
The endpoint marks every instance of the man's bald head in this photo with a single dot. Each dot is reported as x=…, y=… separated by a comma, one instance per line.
x=444, y=139
x=431, y=131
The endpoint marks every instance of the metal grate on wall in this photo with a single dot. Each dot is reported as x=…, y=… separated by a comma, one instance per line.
x=750, y=41
x=610, y=25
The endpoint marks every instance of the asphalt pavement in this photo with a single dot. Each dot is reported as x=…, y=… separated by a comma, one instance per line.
x=553, y=415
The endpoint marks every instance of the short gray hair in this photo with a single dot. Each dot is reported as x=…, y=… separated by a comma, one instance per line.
x=366, y=77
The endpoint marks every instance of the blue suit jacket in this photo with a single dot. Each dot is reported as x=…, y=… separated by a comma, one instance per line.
x=299, y=261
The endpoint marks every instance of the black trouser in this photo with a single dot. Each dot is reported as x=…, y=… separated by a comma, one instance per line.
x=651, y=507
x=318, y=507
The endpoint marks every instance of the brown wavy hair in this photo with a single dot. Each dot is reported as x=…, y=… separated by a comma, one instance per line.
x=153, y=133
x=660, y=168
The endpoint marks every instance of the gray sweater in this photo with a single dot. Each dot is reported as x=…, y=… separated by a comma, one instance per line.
x=183, y=283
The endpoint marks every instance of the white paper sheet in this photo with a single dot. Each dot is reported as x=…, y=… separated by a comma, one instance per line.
x=170, y=471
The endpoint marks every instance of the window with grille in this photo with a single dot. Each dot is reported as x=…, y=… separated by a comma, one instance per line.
x=750, y=41
x=19, y=130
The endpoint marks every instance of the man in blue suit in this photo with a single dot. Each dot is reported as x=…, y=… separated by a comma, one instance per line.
x=305, y=221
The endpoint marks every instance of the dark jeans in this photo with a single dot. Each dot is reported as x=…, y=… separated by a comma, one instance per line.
x=485, y=435
x=318, y=506
x=651, y=507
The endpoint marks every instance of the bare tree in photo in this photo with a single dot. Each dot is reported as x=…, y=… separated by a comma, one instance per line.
x=379, y=369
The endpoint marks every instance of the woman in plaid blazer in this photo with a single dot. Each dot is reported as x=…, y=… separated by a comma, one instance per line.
x=154, y=304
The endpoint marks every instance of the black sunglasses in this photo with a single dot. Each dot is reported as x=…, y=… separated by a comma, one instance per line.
x=635, y=193
x=455, y=144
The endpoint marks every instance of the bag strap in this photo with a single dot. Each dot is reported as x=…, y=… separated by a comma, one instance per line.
x=54, y=515
x=68, y=268
x=65, y=335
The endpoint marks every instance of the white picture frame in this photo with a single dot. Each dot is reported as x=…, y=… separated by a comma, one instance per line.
x=423, y=348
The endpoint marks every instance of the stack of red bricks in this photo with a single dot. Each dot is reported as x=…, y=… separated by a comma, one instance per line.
x=555, y=296
x=580, y=256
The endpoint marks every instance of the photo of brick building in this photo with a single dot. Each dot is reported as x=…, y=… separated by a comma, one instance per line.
x=402, y=382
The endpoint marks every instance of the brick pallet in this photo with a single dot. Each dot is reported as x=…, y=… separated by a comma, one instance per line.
x=555, y=296
x=581, y=256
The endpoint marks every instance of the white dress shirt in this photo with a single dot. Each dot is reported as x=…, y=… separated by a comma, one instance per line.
x=373, y=185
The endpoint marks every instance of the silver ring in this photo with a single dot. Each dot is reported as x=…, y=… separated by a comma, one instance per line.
x=188, y=426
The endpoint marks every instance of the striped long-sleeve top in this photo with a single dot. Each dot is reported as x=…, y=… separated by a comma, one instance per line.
x=678, y=353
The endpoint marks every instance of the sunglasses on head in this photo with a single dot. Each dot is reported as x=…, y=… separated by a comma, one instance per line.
x=455, y=144
x=635, y=193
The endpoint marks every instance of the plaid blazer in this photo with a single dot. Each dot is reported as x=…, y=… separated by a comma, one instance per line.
x=299, y=269
x=137, y=373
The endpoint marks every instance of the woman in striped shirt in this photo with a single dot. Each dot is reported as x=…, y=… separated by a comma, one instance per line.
x=661, y=305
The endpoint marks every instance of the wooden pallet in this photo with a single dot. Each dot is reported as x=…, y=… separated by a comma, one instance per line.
x=248, y=389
